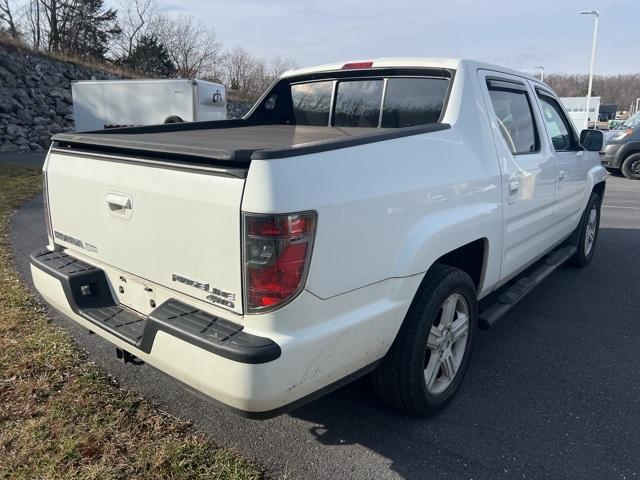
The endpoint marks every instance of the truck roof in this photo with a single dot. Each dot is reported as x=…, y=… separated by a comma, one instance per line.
x=406, y=62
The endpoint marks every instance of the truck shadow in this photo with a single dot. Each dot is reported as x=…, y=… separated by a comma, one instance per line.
x=537, y=399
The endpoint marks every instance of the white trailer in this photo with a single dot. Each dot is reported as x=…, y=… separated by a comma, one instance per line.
x=99, y=104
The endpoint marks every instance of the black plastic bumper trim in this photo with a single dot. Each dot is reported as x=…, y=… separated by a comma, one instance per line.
x=87, y=291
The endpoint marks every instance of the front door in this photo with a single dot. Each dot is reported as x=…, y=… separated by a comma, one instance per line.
x=572, y=161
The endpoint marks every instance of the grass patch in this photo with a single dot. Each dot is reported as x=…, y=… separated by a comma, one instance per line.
x=61, y=416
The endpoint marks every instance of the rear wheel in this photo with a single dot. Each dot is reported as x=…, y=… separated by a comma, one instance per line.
x=631, y=166
x=429, y=358
x=173, y=119
x=589, y=228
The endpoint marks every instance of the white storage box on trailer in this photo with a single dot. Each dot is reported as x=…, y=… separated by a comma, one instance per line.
x=99, y=104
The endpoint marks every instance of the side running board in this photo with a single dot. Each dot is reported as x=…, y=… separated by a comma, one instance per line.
x=516, y=291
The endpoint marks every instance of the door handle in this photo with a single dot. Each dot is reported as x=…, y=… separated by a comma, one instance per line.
x=514, y=188
x=118, y=201
x=561, y=176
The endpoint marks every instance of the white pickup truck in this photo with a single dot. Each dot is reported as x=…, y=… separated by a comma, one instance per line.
x=362, y=218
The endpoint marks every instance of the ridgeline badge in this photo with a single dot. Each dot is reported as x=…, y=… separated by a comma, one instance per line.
x=215, y=294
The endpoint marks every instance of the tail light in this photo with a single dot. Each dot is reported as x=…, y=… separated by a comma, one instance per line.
x=277, y=253
x=47, y=213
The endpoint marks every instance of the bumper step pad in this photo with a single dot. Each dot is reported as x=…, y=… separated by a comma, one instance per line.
x=88, y=293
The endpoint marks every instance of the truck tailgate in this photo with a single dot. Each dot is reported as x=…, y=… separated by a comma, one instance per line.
x=179, y=228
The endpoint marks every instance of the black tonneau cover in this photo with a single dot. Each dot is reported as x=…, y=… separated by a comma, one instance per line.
x=233, y=142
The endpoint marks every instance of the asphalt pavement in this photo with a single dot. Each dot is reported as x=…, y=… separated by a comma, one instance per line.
x=29, y=159
x=553, y=390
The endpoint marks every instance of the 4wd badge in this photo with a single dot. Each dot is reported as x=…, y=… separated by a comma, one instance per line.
x=216, y=295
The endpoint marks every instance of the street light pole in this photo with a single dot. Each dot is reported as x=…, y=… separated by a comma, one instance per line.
x=541, y=72
x=596, y=14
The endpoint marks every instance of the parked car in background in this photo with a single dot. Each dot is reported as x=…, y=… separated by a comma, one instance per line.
x=99, y=104
x=615, y=124
x=622, y=150
x=351, y=223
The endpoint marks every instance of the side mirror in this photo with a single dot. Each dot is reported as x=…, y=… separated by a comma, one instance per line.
x=592, y=140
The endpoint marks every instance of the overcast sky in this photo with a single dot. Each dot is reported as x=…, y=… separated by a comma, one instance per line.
x=514, y=33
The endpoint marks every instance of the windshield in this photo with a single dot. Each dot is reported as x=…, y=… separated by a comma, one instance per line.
x=633, y=121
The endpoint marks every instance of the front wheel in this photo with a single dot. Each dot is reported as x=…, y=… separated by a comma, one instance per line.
x=429, y=358
x=631, y=166
x=589, y=229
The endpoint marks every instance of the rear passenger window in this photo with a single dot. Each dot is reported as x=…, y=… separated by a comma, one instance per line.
x=311, y=103
x=413, y=101
x=557, y=124
x=358, y=103
x=515, y=120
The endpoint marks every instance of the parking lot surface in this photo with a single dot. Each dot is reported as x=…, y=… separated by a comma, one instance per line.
x=553, y=390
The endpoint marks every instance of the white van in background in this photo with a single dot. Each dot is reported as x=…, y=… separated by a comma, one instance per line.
x=99, y=104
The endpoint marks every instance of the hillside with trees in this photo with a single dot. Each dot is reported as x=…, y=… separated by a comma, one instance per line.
x=145, y=41
x=620, y=90
x=137, y=37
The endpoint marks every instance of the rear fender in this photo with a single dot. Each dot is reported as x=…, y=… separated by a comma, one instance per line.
x=443, y=231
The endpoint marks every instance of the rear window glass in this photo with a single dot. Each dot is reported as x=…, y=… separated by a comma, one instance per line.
x=362, y=102
x=413, y=101
x=311, y=103
x=358, y=103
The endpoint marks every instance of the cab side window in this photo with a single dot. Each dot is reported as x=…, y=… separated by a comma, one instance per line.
x=557, y=124
x=515, y=119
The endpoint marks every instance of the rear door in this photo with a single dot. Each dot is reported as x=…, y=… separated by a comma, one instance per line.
x=528, y=170
x=572, y=161
x=211, y=101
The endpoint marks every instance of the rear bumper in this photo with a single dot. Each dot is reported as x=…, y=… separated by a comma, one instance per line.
x=222, y=369
x=88, y=294
x=301, y=352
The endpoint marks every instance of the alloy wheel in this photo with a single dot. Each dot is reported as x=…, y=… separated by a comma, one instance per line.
x=447, y=344
x=592, y=227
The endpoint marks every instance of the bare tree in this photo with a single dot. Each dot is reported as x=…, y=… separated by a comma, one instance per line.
x=137, y=18
x=7, y=17
x=238, y=64
x=279, y=65
x=53, y=10
x=33, y=22
x=192, y=46
x=621, y=90
x=250, y=75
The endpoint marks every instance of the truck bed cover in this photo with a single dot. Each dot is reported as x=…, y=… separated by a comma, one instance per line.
x=234, y=142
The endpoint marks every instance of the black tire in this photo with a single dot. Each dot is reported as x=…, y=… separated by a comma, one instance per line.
x=173, y=119
x=583, y=256
x=631, y=166
x=400, y=378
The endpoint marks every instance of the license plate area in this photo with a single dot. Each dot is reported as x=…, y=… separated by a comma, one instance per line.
x=135, y=293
